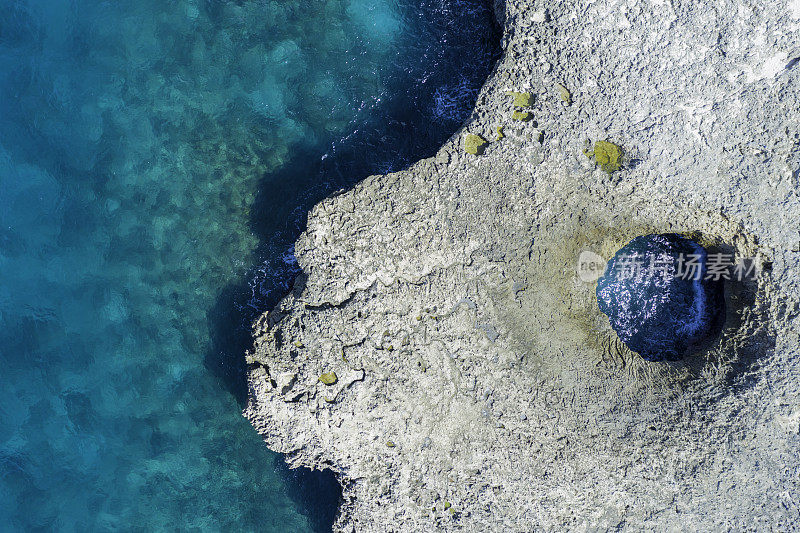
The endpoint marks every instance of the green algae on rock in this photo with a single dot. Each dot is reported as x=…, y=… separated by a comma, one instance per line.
x=474, y=144
x=564, y=94
x=606, y=154
x=329, y=378
x=520, y=99
x=522, y=116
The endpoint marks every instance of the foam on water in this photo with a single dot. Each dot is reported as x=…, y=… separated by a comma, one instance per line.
x=156, y=159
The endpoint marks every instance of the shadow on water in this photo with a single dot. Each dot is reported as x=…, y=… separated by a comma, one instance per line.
x=423, y=105
x=316, y=492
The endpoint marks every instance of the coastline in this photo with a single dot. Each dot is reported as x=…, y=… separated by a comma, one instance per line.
x=477, y=386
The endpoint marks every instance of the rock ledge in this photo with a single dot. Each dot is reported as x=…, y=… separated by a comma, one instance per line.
x=478, y=387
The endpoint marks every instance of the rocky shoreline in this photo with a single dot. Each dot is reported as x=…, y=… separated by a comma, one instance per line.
x=469, y=381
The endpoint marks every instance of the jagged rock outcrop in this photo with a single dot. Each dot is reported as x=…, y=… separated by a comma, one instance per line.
x=478, y=386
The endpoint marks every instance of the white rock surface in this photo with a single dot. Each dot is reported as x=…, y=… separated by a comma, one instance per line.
x=479, y=388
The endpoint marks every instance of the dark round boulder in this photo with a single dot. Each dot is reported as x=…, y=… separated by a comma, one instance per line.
x=657, y=296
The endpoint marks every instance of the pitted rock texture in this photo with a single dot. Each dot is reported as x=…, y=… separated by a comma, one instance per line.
x=479, y=388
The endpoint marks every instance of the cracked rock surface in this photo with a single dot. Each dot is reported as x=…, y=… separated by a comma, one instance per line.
x=478, y=387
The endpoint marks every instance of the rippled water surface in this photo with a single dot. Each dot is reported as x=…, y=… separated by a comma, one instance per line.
x=156, y=159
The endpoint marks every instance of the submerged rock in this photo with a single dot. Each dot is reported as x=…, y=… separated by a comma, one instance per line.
x=657, y=297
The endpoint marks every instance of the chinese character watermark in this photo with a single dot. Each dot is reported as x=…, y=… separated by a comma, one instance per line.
x=716, y=267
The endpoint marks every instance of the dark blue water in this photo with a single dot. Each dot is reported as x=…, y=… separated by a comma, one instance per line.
x=659, y=298
x=156, y=162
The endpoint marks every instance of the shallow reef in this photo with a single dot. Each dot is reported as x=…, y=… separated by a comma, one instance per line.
x=156, y=162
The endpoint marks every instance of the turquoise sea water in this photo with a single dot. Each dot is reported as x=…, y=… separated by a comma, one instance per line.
x=156, y=162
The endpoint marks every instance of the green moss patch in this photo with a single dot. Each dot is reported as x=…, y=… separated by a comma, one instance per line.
x=328, y=378
x=521, y=99
x=474, y=144
x=564, y=94
x=606, y=154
